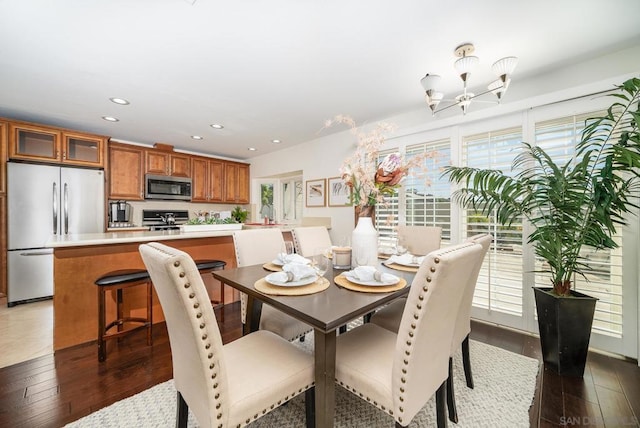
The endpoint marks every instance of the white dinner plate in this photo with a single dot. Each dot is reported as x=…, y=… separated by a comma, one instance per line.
x=403, y=263
x=304, y=281
x=372, y=283
x=277, y=262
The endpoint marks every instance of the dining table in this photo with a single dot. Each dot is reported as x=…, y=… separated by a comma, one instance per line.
x=325, y=311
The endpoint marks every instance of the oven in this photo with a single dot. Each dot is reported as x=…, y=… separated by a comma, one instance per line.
x=164, y=219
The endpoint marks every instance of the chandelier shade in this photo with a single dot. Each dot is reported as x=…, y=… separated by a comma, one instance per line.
x=464, y=65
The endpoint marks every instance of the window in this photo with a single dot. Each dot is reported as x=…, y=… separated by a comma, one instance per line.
x=559, y=138
x=500, y=283
x=386, y=218
x=427, y=195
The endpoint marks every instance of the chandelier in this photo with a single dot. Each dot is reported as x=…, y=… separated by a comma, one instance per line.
x=465, y=64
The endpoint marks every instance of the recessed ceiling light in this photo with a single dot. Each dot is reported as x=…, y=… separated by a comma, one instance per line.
x=252, y=149
x=120, y=101
x=196, y=137
x=216, y=126
x=276, y=141
x=110, y=119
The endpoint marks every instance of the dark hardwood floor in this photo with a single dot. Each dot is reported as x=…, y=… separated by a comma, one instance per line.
x=53, y=390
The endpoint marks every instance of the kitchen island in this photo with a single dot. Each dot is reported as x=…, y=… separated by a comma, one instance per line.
x=80, y=259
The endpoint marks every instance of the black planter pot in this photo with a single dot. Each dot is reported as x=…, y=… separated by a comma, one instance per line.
x=565, y=329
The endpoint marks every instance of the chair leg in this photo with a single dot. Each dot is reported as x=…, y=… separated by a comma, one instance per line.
x=451, y=398
x=440, y=405
x=466, y=361
x=182, y=412
x=310, y=406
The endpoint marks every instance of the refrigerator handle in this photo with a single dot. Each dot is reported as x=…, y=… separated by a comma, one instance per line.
x=55, y=209
x=66, y=209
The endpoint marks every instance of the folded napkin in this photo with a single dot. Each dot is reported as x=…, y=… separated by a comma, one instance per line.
x=370, y=273
x=293, y=272
x=284, y=258
x=406, y=259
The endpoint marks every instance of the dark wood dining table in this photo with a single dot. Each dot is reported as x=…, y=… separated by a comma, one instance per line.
x=324, y=311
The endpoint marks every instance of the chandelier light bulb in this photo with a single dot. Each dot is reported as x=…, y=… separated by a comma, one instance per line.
x=430, y=82
x=466, y=65
x=504, y=67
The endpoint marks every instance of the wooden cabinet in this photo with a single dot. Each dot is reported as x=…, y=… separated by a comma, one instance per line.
x=46, y=144
x=3, y=158
x=3, y=245
x=212, y=180
x=236, y=183
x=207, y=177
x=165, y=163
x=126, y=173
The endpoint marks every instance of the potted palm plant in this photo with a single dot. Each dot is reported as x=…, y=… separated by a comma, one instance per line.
x=571, y=206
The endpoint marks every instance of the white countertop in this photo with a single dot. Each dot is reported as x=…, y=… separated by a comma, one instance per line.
x=123, y=237
x=128, y=237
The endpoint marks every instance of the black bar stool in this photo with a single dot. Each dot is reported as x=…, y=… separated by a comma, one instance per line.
x=118, y=281
x=208, y=266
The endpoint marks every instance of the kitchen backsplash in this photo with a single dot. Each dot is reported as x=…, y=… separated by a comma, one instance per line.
x=138, y=206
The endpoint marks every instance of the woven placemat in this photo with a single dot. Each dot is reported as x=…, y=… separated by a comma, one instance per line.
x=342, y=281
x=401, y=267
x=272, y=267
x=319, y=285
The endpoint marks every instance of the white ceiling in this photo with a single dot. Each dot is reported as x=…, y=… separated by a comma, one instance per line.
x=272, y=68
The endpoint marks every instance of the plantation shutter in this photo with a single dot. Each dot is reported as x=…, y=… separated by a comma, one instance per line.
x=559, y=138
x=387, y=212
x=499, y=286
x=427, y=194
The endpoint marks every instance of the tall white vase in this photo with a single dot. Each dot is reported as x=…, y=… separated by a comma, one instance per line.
x=364, y=243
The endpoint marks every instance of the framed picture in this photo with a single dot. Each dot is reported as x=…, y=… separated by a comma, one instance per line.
x=339, y=193
x=316, y=193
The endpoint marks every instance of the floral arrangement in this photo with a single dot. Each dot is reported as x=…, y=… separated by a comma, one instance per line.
x=371, y=181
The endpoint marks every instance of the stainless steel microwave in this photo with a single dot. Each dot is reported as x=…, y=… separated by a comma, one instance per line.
x=166, y=187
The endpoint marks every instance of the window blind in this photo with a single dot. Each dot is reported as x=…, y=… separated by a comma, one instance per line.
x=559, y=138
x=427, y=194
x=499, y=286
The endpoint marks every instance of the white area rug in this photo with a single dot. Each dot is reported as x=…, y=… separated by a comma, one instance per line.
x=504, y=388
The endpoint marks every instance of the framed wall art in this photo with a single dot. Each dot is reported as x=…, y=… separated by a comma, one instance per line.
x=316, y=193
x=339, y=193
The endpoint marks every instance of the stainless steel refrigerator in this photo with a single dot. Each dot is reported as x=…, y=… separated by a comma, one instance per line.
x=44, y=201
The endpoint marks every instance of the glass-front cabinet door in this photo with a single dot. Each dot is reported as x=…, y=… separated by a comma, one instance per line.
x=82, y=150
x=39, y=143
x=33, y=143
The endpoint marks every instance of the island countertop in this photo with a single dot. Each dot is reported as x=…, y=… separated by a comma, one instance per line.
x=125, y=237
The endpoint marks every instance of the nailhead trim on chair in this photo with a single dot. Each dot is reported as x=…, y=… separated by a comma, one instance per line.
x=204, y=337
x=212, y=365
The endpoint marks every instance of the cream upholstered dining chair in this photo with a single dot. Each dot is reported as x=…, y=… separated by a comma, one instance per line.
x=308, y=240
x=224, y=385
x=390, y=316
x=420, y=240
x=399, y=372
x=254, y=246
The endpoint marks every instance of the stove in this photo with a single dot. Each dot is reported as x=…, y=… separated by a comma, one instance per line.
x=164, y=219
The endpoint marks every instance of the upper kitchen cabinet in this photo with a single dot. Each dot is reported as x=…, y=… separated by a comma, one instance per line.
x=236, y=182
x=46, y=144
x=3, y=158
x=126, y=173
x=207, y=176
x=167, y=163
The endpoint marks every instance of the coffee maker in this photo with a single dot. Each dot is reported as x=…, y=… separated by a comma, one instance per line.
x=119, y=214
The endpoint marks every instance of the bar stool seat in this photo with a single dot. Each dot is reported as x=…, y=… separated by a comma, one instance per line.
x=208, y=266
x=118, y=281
